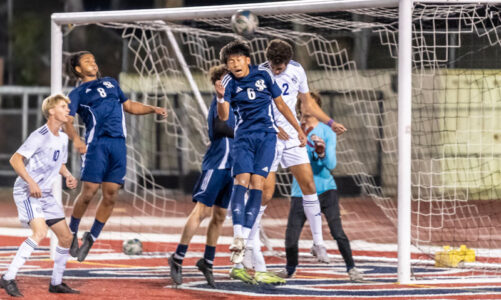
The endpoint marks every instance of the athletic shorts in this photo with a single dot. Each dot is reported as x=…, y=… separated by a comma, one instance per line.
x=254, y=153
x=29, y=208
x=289, y=157
x=105, y=160
x=214, y=188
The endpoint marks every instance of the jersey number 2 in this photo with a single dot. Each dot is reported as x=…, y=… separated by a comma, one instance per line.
x=102, y=92
x=285, y=86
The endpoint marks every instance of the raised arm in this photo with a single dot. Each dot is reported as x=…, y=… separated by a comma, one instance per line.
x=17, y=163
x=311, y=106
x=223, y=107
x=69, y=129
x=286, y=112
x=137, y=108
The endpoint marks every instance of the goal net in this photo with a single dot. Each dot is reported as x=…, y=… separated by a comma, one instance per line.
x=350, y=58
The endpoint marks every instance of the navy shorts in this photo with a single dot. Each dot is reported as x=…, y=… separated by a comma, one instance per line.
x=105, y=160
x=254, y=153
x=214, y=188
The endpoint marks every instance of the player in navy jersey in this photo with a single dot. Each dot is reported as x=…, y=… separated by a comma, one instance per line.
x=250, y=91
x=213, y=189
x=100, y=103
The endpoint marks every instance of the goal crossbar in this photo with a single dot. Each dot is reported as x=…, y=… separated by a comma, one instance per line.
x=186, y=13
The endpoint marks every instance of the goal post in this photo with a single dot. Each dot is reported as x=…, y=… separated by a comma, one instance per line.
x=406, y=148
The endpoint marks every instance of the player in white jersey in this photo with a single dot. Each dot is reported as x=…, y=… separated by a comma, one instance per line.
x=38, y=162
x=291, y=78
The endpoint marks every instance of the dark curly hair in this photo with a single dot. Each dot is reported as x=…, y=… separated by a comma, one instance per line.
x=279, y=52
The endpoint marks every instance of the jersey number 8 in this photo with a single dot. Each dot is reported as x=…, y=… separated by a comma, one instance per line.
x=102, y=92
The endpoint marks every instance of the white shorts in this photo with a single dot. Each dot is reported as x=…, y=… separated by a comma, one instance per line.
x=29, y=208
x=288, y=157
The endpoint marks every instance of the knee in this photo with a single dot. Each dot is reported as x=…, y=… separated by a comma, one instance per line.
x=310, y=188
x=108, y=201
x=40, y=234
x=87, y=194
x=219, y=215
x=65, y=240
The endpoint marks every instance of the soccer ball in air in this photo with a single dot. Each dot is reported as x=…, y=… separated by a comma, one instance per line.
x=244, y=22
x=132, y=247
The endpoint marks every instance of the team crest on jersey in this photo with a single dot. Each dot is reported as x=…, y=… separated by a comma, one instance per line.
x=260, y=85
x=56, y=155
x=108, y=84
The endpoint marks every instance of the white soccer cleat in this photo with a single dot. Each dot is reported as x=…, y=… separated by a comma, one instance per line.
x=248, y=261
x=237, y=250
x=355, y=275
x=320, y=252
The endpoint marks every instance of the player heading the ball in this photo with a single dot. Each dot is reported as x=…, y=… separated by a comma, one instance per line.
x=250, y=90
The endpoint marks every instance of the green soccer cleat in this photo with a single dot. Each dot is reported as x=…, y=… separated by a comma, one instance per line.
x=268, y=278
x=242, y=275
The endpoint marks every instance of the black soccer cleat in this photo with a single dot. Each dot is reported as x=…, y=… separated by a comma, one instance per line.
x=207, y=271
x=62, y=288
x=74, y=246
x=87, y=243
x=176, y=270
x=10, y=287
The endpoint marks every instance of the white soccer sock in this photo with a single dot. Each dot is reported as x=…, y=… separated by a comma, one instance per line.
x=23, y=253
x=245, y=233
x=257, y=224
x=257, y=255
x=237, y=231
x=60, y=259
x=312, y=211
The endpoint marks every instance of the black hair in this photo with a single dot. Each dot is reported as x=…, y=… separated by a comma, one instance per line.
x=74, y=61
x=234, y=48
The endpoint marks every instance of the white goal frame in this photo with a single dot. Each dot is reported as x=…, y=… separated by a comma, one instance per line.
x=302, y=6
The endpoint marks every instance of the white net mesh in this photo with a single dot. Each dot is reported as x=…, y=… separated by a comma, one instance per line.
x=350, y=58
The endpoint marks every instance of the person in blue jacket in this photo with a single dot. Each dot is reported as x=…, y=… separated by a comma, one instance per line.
x=321, y=148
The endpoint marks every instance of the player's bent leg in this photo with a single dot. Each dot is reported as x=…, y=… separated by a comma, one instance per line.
x=197, y=215
x=104, y=210
x=238, y=215
x=8, y=280
x=87, y=193
x=304, y=176
x=268, y=188
x=64, y=236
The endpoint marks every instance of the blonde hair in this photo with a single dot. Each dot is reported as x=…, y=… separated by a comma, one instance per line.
x=51, y=102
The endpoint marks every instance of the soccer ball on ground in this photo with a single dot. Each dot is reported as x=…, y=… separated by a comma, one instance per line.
x=132, y=247
x=244, y=22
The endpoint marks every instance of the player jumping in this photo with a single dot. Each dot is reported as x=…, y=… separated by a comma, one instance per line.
x=291, y=77
x=250, y=90
x=38, y=162
x=100, y=103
